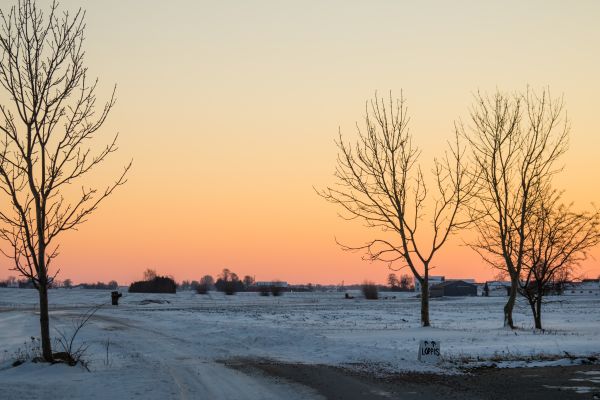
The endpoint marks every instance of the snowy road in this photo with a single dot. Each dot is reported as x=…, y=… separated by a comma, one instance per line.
x=160, y=366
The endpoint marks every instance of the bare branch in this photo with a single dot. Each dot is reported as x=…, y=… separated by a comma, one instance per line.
x=46, y=133
x=516, y=141
x=379, y=181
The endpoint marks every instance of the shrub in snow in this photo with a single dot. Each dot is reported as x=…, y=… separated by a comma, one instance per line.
x=73, y=354
x=231, y=287
x=201, y=288
x=370, y=291
x=264, y=290
x=30, y=351
x=230, y=284
x=276, y=290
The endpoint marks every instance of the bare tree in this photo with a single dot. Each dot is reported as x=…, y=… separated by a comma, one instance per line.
x=229, y=282
x=557, y=240
x=393, y=280
x=46, y=129
x=248, y=281
x=515, y=141
x=404, y=282
x=149, y=274
x=226, y=274
x=205, y=284
x=380, y=182
x=207, y=280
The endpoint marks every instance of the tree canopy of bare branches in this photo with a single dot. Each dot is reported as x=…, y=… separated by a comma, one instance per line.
x=379, y=181
x=48, y=119
x=558, y=239
x=516, y=141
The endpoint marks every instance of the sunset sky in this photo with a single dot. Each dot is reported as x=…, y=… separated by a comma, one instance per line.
x=229, y=110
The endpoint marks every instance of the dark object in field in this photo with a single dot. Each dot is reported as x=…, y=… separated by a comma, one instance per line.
x=202, y=288
x=347, y=296
x=64, y=357
x=159, y=284
x=264, y=290
x=114, y=296
x=370, y=291
x=276, y=290
x=230, y=286
x=154, y=301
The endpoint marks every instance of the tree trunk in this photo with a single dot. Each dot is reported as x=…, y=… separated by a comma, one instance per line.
x=532, y=300
x=44, y=320
x=538, y=313
x=43, y=274
x=425, y=302
x=510, y=304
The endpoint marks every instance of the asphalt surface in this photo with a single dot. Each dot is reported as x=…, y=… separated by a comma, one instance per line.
x=572, y=382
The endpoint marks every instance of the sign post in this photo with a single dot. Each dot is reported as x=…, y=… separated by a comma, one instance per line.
x=429, y=351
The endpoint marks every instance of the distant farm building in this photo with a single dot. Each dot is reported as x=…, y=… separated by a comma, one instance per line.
x=436, y=280
x=468, y=280
x=453, y=288
x=271, y=284
x=587, y=287
x=433, y=280
x=496, y=289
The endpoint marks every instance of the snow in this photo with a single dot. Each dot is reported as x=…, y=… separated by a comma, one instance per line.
x=177, y=345
x=576, y=389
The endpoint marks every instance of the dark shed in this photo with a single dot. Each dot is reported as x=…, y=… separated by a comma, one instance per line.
x=453, y=288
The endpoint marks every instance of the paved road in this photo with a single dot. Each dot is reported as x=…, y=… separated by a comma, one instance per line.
x=574, y=382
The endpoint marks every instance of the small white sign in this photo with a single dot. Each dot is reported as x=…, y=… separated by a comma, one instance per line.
x=429, y=351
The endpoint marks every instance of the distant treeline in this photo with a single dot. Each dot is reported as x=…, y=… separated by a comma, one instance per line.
x=13, y=282
x=227, y=282
x=112, y=285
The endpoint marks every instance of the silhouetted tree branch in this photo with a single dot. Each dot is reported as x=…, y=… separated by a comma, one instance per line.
x=558, y=239
x=46, y=130
x=379, y=181
x=515, y=142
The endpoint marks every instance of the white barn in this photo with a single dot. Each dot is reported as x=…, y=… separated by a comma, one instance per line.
x=273, y=283
x=587, y=287
x=433, y=280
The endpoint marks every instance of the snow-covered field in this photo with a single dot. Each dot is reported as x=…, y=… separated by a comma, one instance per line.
x=178, y=345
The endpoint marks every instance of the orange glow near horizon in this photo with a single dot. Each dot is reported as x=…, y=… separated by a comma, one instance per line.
x=230, y=111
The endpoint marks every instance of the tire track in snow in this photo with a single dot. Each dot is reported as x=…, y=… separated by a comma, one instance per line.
x=191, y=376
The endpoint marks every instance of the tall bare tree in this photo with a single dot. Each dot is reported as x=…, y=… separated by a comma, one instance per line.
x=558, y=239
x=248, y=281
x=379, y=181
x=393, y=281
x=405, y=282
x=49, y=117
x=516, y=140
